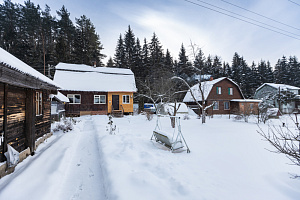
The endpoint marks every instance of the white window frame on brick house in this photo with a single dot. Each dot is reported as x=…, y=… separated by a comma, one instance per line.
x=216, y=105
x=72, y=98
x=230, y=91
x=99, y=99
x=228, y=103
x=219, y=90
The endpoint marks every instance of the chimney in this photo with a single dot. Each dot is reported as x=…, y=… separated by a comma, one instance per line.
x=211, y=78
x=95, y=64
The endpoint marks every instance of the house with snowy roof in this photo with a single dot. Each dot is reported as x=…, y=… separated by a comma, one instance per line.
x=24, y=105
x=226, y=94
x=270, y=92
x=96, y=90
x=58, y=103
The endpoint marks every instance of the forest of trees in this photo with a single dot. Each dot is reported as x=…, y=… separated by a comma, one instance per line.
x=39, y=39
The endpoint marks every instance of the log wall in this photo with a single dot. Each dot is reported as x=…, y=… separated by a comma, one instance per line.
x=43, y=122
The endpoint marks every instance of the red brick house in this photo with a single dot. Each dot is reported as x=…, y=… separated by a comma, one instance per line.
x=221, y=91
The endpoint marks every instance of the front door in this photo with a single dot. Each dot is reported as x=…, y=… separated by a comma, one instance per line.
x=115, y=102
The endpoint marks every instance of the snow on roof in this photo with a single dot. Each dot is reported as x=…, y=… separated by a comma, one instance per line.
x=246, y=100
x=62, y=97
x=207, y=86
x=20, y=66
x=170, y=107
x=79, y=77
x=277, y=86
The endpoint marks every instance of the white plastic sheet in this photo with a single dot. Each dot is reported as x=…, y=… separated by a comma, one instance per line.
x=12, y=156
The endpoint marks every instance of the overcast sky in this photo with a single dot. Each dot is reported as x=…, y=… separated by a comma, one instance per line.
x=179, y=21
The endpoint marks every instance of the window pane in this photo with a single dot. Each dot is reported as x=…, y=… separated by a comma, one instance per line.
x=226, y=105
x=125, y=98
x=77, y=98
x=216, y=105
x=102, y=99
x=71, y=98
x=96, y=99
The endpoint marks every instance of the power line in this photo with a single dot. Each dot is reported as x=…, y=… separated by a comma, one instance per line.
x=294, y=2
x=262, y=15
x=241, y=19
x=248, y=18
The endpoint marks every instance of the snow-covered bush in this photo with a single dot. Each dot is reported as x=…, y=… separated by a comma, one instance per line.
x=149, y=115
x=186, y=117
x=66, y=124
x=112, y=127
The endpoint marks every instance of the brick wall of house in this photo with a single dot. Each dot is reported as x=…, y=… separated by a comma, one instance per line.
x=223, y=97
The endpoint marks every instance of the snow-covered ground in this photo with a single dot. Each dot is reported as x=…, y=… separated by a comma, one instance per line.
x=228, y=161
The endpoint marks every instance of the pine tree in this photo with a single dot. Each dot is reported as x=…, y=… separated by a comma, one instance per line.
x=269, y=73
x=129, y=48
x=119, y=57
x=236, y=68
x=87, y=46
x=294, y=71
x=227, y=70
x=49, y=26
x=156, y=58
x=137, y=65
x=208, y=66
x=110, y=63
x=184, y=66
x=65, y=36
x=145, y=55
x=199, y=61
x=217, y=67
x=9, y=22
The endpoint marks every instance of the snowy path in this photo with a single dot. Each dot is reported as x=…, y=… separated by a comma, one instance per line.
x=68, y=169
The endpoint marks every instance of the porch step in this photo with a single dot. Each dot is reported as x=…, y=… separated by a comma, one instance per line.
x=117, y=113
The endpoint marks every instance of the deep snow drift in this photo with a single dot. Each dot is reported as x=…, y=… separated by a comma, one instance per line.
x=228, y=161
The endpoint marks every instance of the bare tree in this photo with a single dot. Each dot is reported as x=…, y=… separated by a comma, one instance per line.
x=203, y=107
x=285, y=140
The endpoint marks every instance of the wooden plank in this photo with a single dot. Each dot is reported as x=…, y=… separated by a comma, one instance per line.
x=4, y=144
x=30, y=120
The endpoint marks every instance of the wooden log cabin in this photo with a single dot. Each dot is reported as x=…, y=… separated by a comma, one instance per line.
x=96, y=90
x=24, y=104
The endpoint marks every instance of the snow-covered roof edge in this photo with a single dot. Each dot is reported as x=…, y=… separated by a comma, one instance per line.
x=246, y=100
x=61, y=97
x=87, y=68
x=14, y=63
x=276, y=86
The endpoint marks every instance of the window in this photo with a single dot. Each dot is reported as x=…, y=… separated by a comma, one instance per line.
x=230, y=91
x=218, y=90
x=226, y=105
x=126, y=99
x=216, y=105
x=38, y=103
x=99, y=99
x=251, y=106
x=74, y=98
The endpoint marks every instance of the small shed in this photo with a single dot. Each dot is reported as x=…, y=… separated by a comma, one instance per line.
x=24, y=104
x=58, y=103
